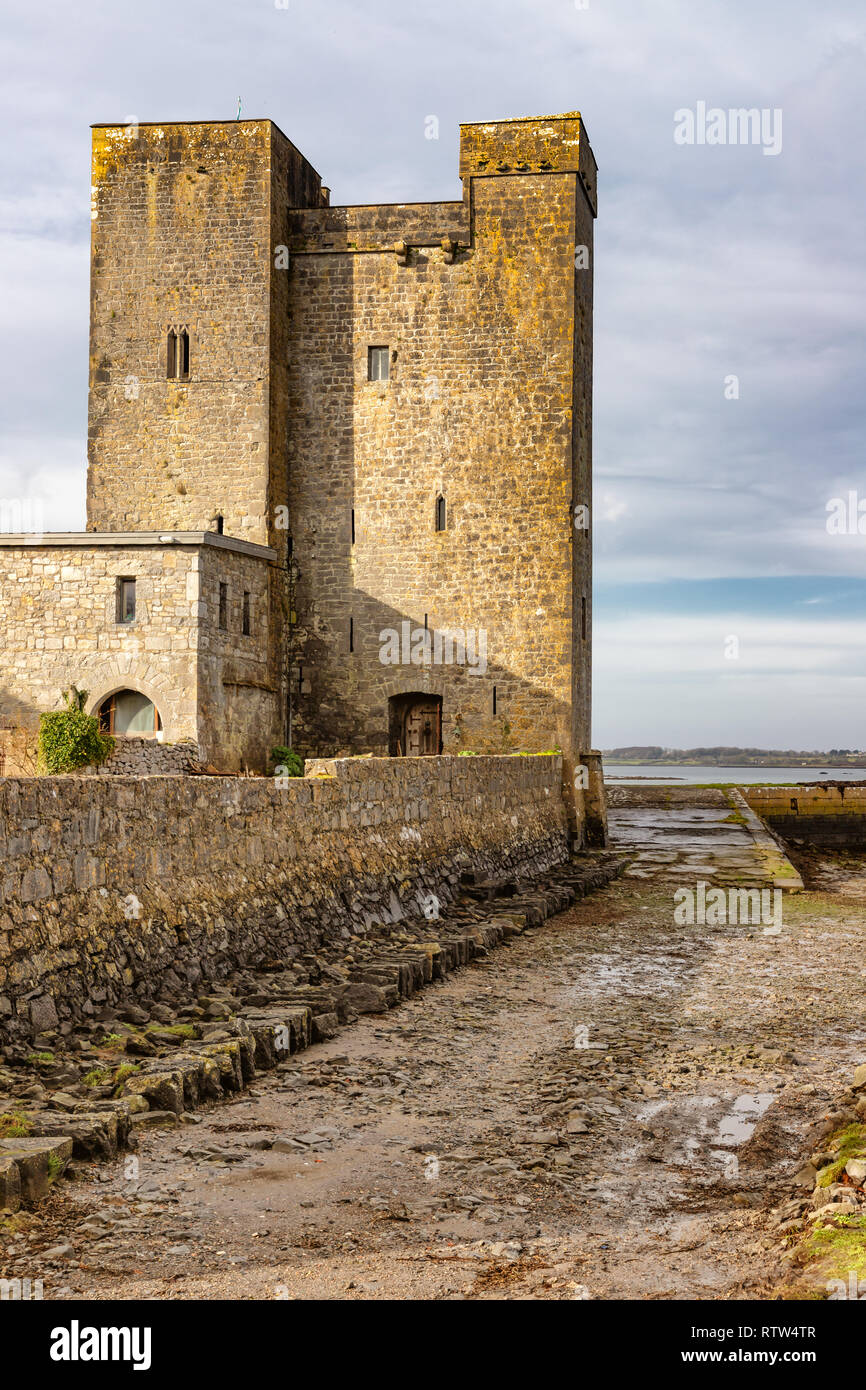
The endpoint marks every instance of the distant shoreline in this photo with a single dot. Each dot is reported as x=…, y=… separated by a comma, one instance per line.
x=684, y=762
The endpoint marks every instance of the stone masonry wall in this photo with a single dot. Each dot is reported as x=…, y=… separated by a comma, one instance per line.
x=58, y=619
x=241, y=697
x=485, y=306
x=110, y=886
x=832, y=816
x=489, y=326
x=147, y=757
x=182, y=236
x=218, y=687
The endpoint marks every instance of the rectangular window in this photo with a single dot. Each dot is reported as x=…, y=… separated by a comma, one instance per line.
x=583, y=618
x=126, y=600
x=246, y=614
x=224, y=607
x=378, y=363
x=351, y=634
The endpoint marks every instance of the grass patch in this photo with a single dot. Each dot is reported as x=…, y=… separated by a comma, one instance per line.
x=15, y=1124
x=180, y=1030
x=125, y=1070
x=36, y=1057
x=835, y=1252
x=848, y=1143
x=55, y=1167
x=100, y=1076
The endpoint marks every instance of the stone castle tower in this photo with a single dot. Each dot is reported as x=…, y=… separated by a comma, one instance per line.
x=371, y=423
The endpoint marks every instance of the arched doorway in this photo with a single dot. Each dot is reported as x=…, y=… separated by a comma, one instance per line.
x=129, y=712
x=414, y=725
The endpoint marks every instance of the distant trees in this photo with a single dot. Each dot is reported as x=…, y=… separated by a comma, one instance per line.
x=723, y=754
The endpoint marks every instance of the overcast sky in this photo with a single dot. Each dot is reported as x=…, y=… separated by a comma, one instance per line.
x=712, y=262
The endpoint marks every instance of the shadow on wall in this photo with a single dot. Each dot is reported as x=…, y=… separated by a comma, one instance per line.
x=19, y=729
x=367, y=550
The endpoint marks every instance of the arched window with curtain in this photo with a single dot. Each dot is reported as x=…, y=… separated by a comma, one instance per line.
x=129, y=712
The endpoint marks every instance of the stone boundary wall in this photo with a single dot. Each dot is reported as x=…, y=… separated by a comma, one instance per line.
x=112, y=887
x=832, y=815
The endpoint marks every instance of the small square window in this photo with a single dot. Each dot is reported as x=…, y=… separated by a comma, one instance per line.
x=378, y=363
x=126, y=600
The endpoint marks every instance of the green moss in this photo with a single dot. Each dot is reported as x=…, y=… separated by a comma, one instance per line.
x=14, y=1223
x=36, y=1057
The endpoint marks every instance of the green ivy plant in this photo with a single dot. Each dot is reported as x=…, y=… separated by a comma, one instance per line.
x=69, y=739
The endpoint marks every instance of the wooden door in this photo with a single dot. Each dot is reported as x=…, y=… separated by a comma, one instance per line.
x=422, y=729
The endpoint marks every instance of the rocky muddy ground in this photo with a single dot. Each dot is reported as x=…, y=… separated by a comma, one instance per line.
x=609, y=1106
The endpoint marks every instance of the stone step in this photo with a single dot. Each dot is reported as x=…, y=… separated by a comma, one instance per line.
x=39, y=1161
x=94, y=1136
x=284, y=1023
x=10, y=1183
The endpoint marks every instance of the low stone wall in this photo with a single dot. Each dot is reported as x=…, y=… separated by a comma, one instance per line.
x=147, y=757
x=829, y=815
x=115, y=887
x=132, y=757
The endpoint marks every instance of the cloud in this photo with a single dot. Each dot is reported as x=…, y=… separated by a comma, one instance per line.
x=794, y=684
